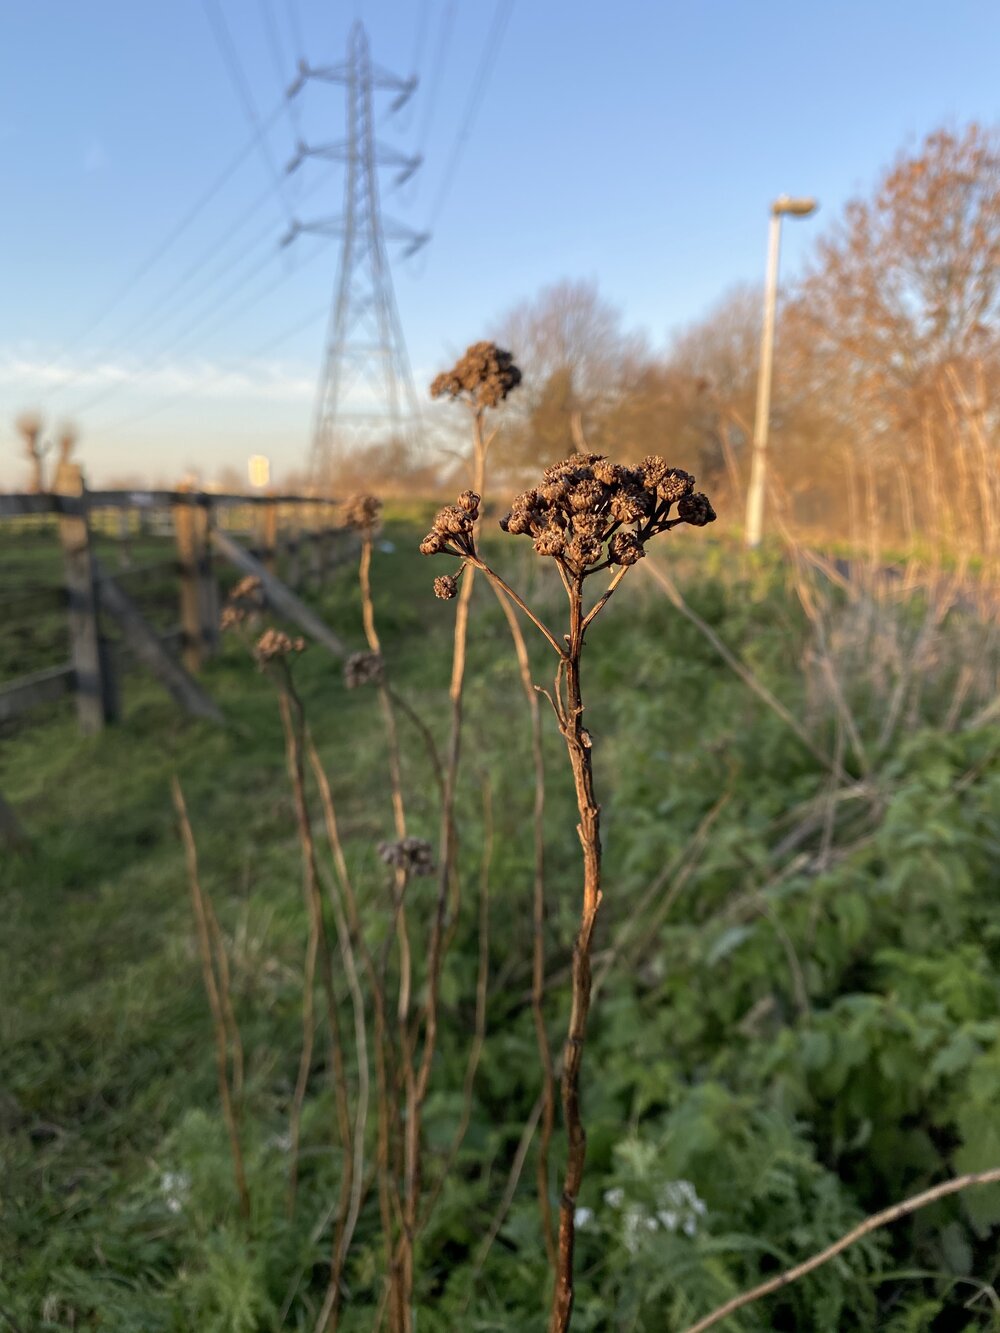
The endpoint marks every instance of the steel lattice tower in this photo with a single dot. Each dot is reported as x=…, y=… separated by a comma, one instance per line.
x=365, y=391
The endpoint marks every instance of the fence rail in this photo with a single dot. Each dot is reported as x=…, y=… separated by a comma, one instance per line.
x=302, y=532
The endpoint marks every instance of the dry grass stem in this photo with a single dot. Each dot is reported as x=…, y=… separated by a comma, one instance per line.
x=212, y=989
x=870, y=1224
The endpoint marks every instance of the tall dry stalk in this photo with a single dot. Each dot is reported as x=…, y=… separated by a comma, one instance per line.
x=588, y=515
x=217, y=989
x=482, y=379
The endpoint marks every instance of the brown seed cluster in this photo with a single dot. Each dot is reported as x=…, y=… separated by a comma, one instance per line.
x=362, y=669
x=485, y=375
x=589, y=511
x=363, y=512
x=413, y=855
x=453, y=529
x=446, y=587
x=274, y=644
x=245, y=601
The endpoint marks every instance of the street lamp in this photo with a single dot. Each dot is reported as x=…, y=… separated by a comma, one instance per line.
x=797, y=208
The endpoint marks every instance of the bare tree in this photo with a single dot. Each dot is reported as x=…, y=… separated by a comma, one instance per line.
x=572, y=338
x=29, y=427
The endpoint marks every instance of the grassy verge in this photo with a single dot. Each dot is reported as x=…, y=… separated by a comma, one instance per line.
x=805, y=1035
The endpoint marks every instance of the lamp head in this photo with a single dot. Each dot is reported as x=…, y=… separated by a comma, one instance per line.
x=798, y=208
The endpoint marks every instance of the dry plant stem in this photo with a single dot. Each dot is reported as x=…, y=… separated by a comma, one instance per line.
x=538, y=930
x=513, y=1179
x=395, y=777
x=870, y=1224
x=744, y=673
x=578, y=747
x=420, y=1076
x=388, y=1204
x=482, y=985
x=329, y=1314
x=475, y=563
x=198, y=902
x=225, y=994
x=400, y=1278
x=319, y=949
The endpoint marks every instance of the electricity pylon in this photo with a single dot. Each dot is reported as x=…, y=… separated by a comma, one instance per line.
x=365, y=391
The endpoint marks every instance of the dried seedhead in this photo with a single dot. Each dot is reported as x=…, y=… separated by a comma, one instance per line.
x=413, y=855
x=589, y=511
x=274, y=645
x=446, y=587
x=245, y=601
x=453, y=529
x=364, y=513
x=362, y=669
x=485, y=375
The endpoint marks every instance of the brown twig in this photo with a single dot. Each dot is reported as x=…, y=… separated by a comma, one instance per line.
x=329, y=1314
x=319, y=950
x=748, y=678
x=482, y=984
x=870, y=1224
x=215, y=1003
x=578, y=745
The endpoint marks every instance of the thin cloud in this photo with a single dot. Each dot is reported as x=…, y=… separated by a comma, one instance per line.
x=260, y=380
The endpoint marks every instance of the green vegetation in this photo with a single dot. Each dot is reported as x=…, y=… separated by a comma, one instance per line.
x=800, y=1026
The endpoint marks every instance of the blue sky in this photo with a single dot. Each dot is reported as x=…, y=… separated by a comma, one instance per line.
x=636, y=144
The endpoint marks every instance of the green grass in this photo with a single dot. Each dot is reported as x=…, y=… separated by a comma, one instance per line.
x=816, y=1055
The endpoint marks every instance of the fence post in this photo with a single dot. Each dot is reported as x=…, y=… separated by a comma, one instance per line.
x=316, y=546
x=186, y=537
x=208, y=585
x=293, y=545
x=96, y=696
x=267, y=529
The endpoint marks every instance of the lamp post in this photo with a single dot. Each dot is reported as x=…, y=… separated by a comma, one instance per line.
x=798, y=208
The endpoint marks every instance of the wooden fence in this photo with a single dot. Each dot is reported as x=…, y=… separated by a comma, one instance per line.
x=251, y=533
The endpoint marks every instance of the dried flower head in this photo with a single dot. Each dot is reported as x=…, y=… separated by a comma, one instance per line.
x=696, y=509
x=446, y=587
x=363, y=512
x=590, y=511
x=413, y=855
x=245, y=601
x=274, y=644
x=362, y=669
x=452, y=532
x=485, y=375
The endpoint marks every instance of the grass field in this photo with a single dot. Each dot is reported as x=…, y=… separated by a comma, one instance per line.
x=802, y=1022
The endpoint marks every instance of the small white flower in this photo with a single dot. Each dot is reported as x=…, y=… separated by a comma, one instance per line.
x=175, y=1186
x=583, y=1216
x=614, y=1197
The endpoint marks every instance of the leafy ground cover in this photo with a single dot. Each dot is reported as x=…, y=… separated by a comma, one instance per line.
x=798, y=1019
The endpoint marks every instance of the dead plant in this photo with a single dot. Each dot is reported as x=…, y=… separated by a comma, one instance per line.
x=587, y=515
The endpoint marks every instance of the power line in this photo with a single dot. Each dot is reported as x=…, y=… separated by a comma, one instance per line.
x=420, y=36
x=230, y=57
x=487, y=62
x=298, y=45
x=152, y=363
x=276, y=48
x=434, y=82
x=161, y=248
x=155, y=313
x=157, y=358
x=269, y=346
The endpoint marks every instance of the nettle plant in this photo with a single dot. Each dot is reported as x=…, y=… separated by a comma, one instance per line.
x=588, y=515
